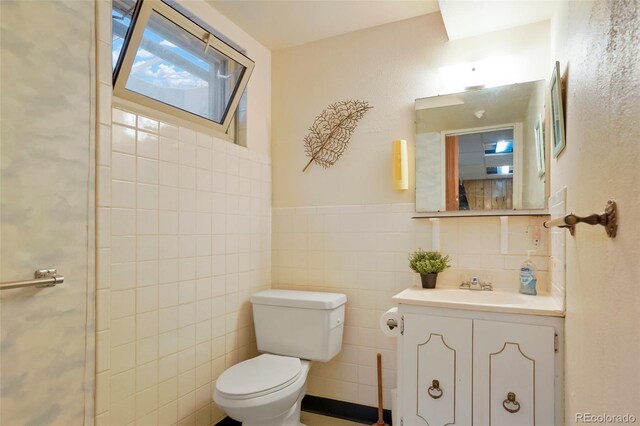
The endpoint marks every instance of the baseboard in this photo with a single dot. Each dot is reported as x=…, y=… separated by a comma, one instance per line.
x=228, y=421
x=343, y=410
x=332, y=408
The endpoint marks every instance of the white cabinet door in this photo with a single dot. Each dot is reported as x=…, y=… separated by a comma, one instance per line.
x=436, y=371
x=513, y=374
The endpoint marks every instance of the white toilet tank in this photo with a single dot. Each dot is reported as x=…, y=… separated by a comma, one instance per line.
x=301, y=324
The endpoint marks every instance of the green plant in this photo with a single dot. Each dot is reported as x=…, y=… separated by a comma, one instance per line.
x=428, y=262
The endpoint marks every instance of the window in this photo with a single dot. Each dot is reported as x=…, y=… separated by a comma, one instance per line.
x=165, y=61
x=121, y=14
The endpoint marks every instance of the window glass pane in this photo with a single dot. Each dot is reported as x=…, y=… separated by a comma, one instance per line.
x=202, y=24
x=121, y=13
x=172, y=67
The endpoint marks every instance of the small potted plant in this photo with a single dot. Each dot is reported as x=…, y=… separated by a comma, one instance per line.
x=428, y=264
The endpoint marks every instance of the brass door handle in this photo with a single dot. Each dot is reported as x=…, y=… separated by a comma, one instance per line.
x=434, y=390
x=511, y=401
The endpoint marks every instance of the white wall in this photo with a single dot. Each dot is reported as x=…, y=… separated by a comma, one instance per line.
x=345, y=229
x=389, y=66
x=184, y=239
x=47, y=211
x=361, y=251
x=533, y=186
x=597, y=45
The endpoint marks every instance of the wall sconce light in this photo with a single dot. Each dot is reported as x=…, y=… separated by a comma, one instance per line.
x=400, y=166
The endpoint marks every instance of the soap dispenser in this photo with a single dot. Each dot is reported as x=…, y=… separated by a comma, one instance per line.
x=528, y=276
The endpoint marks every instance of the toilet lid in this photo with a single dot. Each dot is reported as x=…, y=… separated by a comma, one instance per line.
x=258, y=376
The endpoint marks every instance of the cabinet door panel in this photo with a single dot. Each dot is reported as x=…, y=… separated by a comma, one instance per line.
x=436, y=371
x=513, y=370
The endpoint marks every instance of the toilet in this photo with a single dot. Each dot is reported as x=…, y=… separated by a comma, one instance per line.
x=293, y=328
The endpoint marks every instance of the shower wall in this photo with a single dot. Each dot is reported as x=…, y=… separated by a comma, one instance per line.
x=47, y=211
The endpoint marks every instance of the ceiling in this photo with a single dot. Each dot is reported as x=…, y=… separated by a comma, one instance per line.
x=467, y=18
x=286, y=23
x=281, y=24
x=498, y=106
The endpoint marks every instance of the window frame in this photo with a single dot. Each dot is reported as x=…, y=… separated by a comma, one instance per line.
x=140, y=19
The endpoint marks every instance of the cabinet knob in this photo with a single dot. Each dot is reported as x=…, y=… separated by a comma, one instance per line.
x=511, y=402
x=434, y=391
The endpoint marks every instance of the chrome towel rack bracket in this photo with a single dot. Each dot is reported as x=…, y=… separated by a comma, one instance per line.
x=608, y=219
x=42, y=278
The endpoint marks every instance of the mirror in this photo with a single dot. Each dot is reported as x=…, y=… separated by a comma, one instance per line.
x=482, y=150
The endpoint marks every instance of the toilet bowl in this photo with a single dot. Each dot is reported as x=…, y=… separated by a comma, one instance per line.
x=293, y=328
x=266, y=390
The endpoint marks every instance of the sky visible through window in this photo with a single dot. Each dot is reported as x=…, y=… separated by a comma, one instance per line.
x=160, y=72
x=148, y=67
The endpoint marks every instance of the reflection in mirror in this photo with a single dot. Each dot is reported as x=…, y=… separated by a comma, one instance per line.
x=483, y=179
x=481, y=150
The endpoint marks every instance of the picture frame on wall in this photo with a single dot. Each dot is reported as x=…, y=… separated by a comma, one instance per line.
x=557, y=113
x=539, y=138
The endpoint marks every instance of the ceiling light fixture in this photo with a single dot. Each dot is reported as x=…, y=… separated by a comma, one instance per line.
x=502, y=146
x=503, y=170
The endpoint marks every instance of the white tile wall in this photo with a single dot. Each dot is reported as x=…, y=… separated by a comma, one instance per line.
x=558, y=208
x=362, y=251
x=103, y=216
x=185, y=237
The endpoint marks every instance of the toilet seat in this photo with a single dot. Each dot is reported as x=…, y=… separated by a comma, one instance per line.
x=258, y=376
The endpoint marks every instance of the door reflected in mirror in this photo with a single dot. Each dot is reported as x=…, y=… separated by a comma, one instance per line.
x=481, y=150
x=479, y=170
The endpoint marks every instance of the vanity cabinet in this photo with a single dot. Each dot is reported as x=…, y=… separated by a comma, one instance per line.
x=513, y=374
x=459, y=367
x=436, y=370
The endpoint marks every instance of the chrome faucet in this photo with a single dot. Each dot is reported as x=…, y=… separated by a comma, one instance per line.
x=476, y=284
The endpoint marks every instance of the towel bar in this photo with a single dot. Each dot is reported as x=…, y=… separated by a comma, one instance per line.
x=42, y=278
x=608, y=219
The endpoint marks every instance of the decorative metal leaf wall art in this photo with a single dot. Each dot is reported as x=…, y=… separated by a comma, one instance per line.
x=330, y=133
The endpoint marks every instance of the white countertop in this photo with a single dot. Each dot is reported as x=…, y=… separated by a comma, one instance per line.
x=501, y=300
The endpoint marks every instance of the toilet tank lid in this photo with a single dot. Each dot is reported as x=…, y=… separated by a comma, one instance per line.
x=299, y=299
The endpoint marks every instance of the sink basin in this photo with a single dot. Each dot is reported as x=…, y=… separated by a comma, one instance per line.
x=479, y=297
x=502, y=300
